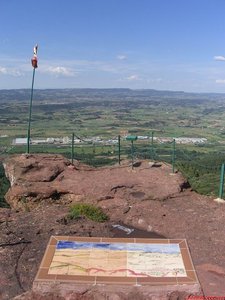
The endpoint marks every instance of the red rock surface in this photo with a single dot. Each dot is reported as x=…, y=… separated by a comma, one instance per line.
x=148, y=198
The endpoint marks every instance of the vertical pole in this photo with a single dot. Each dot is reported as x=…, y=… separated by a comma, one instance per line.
x=152, y=150
x=119, y=148
x=173, y=155
x=30, y=110
x=93, y=149
x=72, y=149
x=221, y=182
x=132, y=152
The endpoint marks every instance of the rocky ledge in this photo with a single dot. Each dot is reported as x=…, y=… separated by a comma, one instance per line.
x=147, y=198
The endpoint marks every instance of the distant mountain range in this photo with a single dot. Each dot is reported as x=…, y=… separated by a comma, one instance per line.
x=56, y=94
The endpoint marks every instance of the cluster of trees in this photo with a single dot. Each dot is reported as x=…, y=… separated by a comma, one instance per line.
x=202, y=170
x=4, y=186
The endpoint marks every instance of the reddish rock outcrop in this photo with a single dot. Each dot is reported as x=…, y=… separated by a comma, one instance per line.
x=34, y=178
x=31, y=178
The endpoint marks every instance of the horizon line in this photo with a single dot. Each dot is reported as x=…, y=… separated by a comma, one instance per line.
x=111, y=88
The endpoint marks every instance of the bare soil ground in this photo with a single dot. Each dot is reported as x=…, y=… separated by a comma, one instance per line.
x=148, y=198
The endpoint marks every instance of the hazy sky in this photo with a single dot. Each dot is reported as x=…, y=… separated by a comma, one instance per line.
x=159, y=44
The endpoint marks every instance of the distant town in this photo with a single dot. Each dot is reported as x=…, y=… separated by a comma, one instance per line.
x=98, y=140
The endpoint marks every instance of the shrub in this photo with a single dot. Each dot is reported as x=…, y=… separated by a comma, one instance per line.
x=89, y=211
x=4, y=186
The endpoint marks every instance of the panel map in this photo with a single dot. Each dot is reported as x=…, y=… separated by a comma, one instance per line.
x=117, y=259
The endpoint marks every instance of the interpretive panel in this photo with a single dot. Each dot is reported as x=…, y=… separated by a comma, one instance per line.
x=117, y=260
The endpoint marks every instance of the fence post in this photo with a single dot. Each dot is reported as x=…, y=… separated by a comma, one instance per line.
x=119, y=148
x=152, y=150
x=72, y=148
x=132, y=153
x=173, y=155
x=221, y=182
